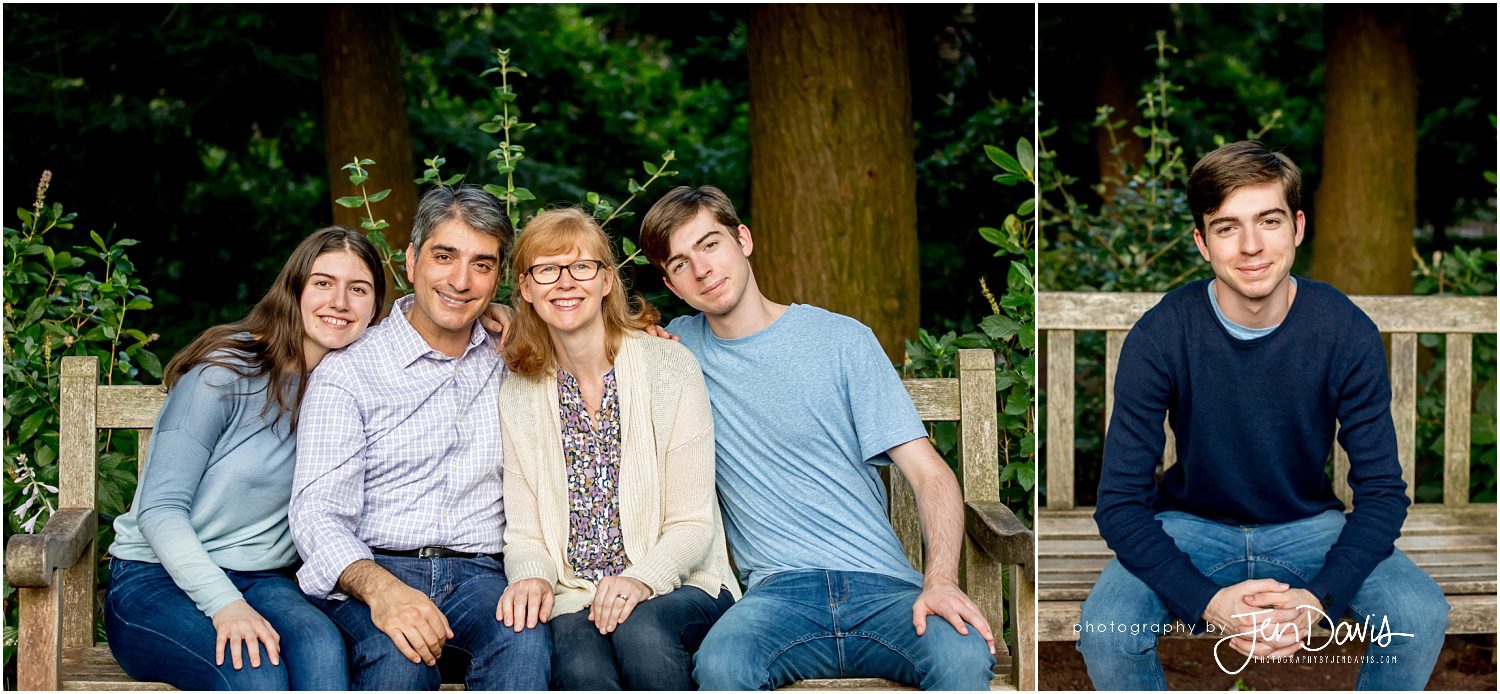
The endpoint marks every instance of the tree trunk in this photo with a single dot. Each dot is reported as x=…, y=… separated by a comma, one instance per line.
x=832, y=163
x=1367, y=201
x=1112, y=91
x=364, y=115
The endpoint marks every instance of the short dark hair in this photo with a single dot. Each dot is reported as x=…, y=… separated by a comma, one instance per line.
x=678, y=207
x=469, y=204
x=1232, y=166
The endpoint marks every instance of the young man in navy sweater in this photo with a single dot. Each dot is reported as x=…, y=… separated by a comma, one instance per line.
x=1244, y=535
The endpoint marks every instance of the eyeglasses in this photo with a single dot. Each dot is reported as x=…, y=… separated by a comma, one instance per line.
x=579, y=270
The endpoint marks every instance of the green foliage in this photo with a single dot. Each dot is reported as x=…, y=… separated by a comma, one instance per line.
x=1143, y=226
x=1459, y=273
x=66, y=294
x=507, y=157
x=1010, y=330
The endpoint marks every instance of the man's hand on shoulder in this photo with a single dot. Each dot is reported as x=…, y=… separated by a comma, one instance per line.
x=496, y=318
x=945, y=599
x=658, y=331
x=417, y=627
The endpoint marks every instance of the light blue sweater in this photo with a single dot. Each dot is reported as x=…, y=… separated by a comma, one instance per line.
x=214, y=492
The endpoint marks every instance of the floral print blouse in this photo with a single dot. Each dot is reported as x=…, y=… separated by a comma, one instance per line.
x=591, y=451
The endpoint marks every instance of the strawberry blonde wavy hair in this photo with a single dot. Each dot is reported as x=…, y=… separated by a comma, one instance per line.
x=528, y=344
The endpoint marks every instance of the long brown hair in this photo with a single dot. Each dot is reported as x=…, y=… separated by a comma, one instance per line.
x=528, y=345
x=274, y=347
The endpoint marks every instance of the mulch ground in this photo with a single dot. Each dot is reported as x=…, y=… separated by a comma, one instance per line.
x=1466, y=663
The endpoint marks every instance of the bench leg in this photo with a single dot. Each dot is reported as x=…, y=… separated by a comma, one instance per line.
x=39, y=647
x=1023, y=616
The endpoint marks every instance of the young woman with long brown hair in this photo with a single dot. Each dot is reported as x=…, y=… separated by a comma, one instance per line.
x=612, y=530
x=203, y=561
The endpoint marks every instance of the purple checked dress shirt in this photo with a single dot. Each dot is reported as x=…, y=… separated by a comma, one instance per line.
x=398, y=447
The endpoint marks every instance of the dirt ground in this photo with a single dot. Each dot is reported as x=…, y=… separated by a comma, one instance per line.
x=1466, y=663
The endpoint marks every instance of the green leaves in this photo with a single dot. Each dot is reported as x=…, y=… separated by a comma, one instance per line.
x=65, y=296
x=351, y=201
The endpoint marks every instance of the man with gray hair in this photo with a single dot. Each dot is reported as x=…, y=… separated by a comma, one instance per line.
x=397, y=505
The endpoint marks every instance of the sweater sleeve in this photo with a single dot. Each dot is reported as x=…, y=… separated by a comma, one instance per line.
x=689, y=500
x=1369, y=437
x=197, y=413
x=1127, y=485
x=526, y=553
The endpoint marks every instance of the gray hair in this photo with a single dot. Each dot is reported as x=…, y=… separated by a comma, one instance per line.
x=468, y=204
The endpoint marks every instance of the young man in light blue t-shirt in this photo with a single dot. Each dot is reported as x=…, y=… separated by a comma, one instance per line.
x=806, y=410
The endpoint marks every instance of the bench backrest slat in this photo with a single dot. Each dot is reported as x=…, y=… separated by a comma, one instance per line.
x=1458, y=376
x=76, y=489
x=1403, y=318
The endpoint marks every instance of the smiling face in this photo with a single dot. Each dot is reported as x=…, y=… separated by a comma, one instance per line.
x=569, y=304
x=337, y=303
x=453, y=277
x=1251, y=241
x=709, y=265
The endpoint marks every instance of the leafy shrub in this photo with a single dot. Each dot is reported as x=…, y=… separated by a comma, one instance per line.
x=64, y=298
x=1010, y=331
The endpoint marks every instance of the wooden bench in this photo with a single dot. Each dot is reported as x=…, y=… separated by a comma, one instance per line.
x=1454, y=541
x=53, y=569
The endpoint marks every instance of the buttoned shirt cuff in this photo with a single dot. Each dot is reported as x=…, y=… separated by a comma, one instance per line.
x=320, y=572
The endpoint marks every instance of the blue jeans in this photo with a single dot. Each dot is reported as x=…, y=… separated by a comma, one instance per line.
x=651, y=650
x=467, y=591
x=815, y=624
x=157, y=634
x=1289, y=552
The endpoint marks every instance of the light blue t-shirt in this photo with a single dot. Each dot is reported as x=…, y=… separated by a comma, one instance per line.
x=804, y=411
x=1237, y=331
x=215, y=488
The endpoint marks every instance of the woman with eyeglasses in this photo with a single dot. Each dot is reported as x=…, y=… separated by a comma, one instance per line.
x=613, y=534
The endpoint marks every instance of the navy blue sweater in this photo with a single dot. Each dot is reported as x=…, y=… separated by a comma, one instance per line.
x=1254, y=421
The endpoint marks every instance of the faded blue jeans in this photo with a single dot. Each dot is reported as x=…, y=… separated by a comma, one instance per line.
x=1123, y=657
x=157, y=634
x=814, y=624
x=467, y=591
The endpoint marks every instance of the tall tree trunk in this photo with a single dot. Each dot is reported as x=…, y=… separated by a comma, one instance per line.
x=364, y=115
x=1367, y=201
x=1112, y=91
x=832, y=163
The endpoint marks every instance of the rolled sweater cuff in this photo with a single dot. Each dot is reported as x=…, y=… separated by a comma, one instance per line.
x=522, y=569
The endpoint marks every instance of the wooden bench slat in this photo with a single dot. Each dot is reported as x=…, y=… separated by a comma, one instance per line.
x=1391, y=314
x=1429, y=543
x=1421, y=519
x=129, y=407
x=1114, y=342
x=1457, y=375
x=936, y=398
x=78, y=488
x=1404, y=405
x=1059, y=419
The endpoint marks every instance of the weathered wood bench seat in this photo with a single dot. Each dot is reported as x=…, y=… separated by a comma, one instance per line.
x=53, y=569
x=1454, y=541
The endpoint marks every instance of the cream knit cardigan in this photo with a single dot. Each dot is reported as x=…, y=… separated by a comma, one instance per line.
x=669, y=511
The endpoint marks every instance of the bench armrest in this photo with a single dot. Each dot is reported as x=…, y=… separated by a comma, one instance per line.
x=998, y=533
x=30, y=558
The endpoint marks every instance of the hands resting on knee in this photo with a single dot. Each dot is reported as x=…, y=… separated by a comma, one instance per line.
x=1272, y=618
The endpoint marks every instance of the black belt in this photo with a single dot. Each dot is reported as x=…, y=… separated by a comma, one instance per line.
x=435, y=553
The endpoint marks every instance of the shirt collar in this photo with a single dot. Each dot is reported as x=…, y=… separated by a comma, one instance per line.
x=409, y=345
